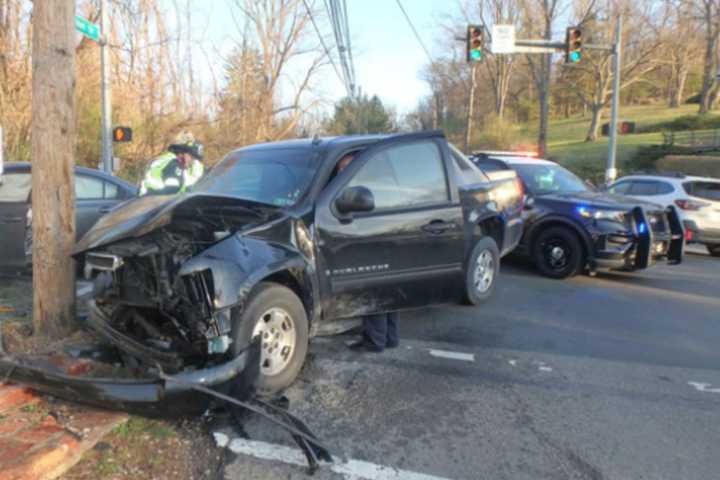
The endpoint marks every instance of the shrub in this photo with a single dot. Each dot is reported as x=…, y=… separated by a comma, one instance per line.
x=686, y=122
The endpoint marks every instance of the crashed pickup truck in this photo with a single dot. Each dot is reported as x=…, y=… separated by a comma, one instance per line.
x=223, y=286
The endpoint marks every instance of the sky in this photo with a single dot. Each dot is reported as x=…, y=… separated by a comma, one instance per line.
x=387, y=56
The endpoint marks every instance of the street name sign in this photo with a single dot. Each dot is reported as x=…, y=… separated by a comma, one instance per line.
x=503, y=39
x=87, y=28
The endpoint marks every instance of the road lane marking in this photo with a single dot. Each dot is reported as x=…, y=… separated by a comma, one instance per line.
x=512, y=363
x=293, y=456
x=703, y=387
x=467, y=357
x=544, y=368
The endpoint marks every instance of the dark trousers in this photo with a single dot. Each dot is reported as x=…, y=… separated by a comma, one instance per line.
x=381, y=330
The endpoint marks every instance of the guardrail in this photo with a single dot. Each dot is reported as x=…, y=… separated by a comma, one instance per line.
x=699, y=140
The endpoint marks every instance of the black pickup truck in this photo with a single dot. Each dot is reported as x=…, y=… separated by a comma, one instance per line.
x=277, y=244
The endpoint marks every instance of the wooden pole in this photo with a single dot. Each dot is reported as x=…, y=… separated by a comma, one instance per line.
x=53, y=179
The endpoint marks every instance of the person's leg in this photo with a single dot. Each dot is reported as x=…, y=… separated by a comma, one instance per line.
x=375, y=331
x=392, y=336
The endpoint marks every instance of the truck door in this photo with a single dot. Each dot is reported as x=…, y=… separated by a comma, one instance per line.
x=408, y=250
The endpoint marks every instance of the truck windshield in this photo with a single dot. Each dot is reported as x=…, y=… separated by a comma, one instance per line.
x=276, y=176
x=543, y=179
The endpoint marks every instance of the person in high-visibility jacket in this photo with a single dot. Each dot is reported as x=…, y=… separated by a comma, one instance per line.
x=176, y=170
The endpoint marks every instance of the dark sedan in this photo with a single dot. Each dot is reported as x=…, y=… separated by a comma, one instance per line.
x=96, y=194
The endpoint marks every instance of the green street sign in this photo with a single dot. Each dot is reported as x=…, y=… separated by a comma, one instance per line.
x=87, y=28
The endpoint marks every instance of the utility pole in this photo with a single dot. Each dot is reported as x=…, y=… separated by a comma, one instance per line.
x=107, y=149
x=611, y=171
x=53, y=179
x=471, y=108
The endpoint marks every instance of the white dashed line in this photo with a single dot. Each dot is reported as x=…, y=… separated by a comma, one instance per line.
x=543, y=368
x=703, y=387
x=512, y=363
x=466, y=357
x=351, y=469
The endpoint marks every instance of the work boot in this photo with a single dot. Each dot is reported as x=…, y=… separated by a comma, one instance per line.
x=364, y=346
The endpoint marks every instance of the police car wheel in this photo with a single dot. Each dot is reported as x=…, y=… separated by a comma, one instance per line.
x=481, y=271
x=275, y=314
x=557, y=253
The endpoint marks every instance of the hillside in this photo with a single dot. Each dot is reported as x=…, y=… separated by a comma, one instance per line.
x=566, y=138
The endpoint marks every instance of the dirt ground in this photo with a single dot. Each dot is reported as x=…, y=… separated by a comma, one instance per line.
x=153, y=449
x=141, y=448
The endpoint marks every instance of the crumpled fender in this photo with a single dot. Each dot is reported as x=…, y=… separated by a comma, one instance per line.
x=238, y=263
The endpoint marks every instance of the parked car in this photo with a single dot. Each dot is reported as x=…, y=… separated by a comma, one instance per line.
x=96, y=194
x=569, y=226
x=276, y=243
x=696, y=198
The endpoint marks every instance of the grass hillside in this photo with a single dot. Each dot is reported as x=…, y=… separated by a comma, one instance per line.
x=566, y=138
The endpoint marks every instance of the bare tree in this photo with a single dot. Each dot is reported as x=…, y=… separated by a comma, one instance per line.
x=539, y=17
x=499, y=69
x=708, y=12
x=592, y=76
x=679, y=54
x=279, y=30
x=53, y=179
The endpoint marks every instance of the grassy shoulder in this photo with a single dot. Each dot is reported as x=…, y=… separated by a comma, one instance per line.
x=567, y=145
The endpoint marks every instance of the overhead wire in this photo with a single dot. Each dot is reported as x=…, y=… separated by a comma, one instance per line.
x=322, y=43
x=417, y=35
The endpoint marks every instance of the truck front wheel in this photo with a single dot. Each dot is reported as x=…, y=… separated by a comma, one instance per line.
x=482, y=271
x=275, y=314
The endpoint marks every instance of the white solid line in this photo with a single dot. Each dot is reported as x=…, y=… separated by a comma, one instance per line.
x=293, y=456
x=467, y=357
x=703, y=387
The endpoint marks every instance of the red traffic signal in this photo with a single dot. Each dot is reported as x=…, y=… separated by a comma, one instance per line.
x=573, y=45
x=475, y=41
x=122, y=134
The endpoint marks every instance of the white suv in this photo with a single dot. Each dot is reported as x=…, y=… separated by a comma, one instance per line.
x=697, y=200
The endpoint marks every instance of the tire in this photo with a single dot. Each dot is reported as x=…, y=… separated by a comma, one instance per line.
x=553, y=263
x=285, y=321
x=481, y=272
x=714, y=250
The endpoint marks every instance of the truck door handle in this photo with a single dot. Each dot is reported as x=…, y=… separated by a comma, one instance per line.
x=437, y=227
x=105, y=210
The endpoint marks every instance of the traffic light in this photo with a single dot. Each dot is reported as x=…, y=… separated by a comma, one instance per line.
x=475, y=42
x=573, y=45
x=122, y=134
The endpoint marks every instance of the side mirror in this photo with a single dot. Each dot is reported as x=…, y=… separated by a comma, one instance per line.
x=355, y=199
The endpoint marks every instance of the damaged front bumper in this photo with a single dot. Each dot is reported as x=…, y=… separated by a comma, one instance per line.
x=145, y=393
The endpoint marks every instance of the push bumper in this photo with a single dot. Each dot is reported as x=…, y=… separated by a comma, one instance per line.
x=644, y=245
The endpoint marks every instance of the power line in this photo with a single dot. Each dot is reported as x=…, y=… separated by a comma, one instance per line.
x=322, y=42
x=417, y=35
x=338, y=21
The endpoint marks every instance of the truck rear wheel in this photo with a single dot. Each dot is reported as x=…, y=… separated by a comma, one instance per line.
x=482, y=271
x=714, y=250
x=277, y=315
x=557, y=253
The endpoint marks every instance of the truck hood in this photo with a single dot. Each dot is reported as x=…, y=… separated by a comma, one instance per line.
x=143, y=215
x=600, y=200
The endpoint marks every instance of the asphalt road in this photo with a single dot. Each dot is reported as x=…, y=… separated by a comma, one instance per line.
x=611, y=377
